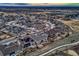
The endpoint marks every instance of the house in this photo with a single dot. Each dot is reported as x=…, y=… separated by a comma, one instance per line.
x=34, y=40
x=10, y=49
x=57, y=33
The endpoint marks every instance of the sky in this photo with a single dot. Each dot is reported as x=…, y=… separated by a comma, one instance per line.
x=39, y=4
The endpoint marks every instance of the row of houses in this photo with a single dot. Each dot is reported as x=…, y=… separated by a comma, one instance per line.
x=30, y=32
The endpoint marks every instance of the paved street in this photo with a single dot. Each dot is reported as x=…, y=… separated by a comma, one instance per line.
x=55, y=44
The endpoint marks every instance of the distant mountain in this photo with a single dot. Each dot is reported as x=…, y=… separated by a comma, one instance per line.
x=40, y=5
x=14, y=4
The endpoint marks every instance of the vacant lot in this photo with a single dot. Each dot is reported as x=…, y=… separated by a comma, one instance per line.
x=73, y=24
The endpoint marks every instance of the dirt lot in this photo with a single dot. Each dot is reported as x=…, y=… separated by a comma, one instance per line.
x=73, y=24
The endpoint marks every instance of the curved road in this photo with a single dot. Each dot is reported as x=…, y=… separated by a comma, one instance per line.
x=59, y=47
x=69, y=41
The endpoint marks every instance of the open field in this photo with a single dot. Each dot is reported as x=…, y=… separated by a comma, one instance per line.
x=73, y=24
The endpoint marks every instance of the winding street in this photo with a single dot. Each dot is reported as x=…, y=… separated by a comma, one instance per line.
x=58, y=48
x=56, y=45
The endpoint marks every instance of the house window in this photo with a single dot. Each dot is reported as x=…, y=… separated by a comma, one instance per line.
x=27, y=45
x=27, y=39
x=59, y=34
x=12, y=53
x=32, y=40
x=21, y=39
